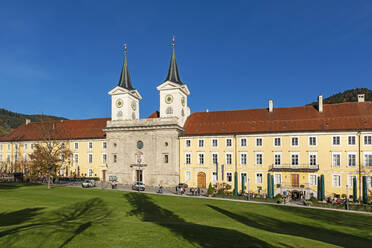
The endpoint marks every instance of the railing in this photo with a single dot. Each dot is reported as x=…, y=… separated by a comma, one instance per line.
x=290, y=167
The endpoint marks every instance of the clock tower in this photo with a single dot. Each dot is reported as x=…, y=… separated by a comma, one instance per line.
x=173, y=93
x=124, y=98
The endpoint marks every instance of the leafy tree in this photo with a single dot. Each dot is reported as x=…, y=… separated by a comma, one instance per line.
x=50, y=152
x=210, y=189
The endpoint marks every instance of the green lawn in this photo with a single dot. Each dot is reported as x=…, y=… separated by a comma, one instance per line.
x=32, y=216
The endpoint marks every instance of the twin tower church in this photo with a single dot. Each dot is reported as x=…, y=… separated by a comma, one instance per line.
x=146, y=150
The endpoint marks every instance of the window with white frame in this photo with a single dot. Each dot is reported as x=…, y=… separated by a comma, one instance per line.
x=259, y=178
x=201, y=158
x=76, y=157
x=312, y=141
x=25, y=157
x=104, y=158
x=313, y=179
x=90, y=173
x=187, y=175
x=8, y=157
x=228, y=142
x=369, y=181
x=312, y=158
x=368, y=140
x=277, y=141
x=90, y=158
x=8, y=146
x=188, y=158
x=1, y=147
x=294, y=158
x=350, y=179
x=25, y=146
x=368, y=159
x=214, y=142
x=277, y=159
x=243, y=158
x=1, y=157
x=214, y=176
x=76, y=145
x=277, y=178
x=336, y=180
x=90, y=144
x=229, y=176
x=187, y=143
x=351, y=140
x=15, y=157
x=336, y=158
x=336, y=140
x=214, y=158
x=104, y=144
x=243, y=142
x=32, y=146
x=16, y=146
x=228, y=158
x=294, y=141
x=259, y=158
x=351, y=158
x=201, y=143
x=259, y=142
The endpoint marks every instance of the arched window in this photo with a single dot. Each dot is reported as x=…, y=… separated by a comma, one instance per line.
x=169, y=111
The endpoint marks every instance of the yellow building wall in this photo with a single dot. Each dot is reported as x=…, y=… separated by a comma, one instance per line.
x=324, y=149
x=83, y=165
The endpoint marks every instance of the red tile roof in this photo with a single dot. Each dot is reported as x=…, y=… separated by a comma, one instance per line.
x=335, y=117
x=156, y=114
x=67, y=129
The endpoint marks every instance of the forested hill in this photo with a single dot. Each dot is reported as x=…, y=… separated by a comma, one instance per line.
x=348, y=96
x=10, y=120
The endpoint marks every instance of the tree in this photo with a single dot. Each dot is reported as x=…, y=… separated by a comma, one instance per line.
x=51, y=152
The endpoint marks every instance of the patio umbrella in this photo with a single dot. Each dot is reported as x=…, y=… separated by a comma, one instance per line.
x=318, y=189
x=236, y=183
x=354, y=189
x=365, y=200
x=322, y=195
x=268, y=185
x=272, y=186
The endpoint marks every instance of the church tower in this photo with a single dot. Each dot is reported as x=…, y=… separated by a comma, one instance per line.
x=173, y=93
x=124, y=98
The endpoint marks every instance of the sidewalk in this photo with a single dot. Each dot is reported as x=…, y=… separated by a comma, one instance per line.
x=225, y=199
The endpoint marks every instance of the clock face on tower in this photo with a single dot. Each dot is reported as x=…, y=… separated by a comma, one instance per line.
x=119, y=103
x=134, y=105
x=169, y=99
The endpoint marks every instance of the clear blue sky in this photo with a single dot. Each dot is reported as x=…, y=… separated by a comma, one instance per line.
x=62, y=57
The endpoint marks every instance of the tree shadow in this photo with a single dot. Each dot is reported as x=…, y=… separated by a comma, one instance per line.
x=7, y=186
x=294, y=229
x=205, y=236
x=18, y=217
x=360, y=221
x=66, y=222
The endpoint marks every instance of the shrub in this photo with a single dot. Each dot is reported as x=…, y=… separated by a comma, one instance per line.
x=278, y=196
x=228, y=187
x=210, y=189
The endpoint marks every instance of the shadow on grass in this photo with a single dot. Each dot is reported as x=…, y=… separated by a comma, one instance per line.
x=205, y=236
x=18, y=217
x=294, y=229
x=63, y=224
x=6, y=186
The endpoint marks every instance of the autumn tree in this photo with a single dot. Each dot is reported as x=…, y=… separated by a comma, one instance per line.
x=51, y=152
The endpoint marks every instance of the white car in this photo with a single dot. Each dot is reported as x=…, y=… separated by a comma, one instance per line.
x=88, y=184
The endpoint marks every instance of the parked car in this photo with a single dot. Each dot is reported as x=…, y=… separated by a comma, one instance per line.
x=139, y=186
x=88, y=184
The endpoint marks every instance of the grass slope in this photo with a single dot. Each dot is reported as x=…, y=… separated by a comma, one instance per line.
x=32, y=216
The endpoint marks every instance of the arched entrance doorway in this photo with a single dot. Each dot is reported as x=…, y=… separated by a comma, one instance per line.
x=201, y=180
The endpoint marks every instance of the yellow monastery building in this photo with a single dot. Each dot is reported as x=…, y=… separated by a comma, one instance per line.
x=295, y=145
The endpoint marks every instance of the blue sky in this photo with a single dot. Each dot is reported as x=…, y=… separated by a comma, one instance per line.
x=62, y=57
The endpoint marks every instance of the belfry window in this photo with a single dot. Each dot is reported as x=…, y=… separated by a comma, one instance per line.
x=169, y=111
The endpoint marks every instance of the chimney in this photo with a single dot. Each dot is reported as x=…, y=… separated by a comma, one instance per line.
x=28, y=121
x=320, y=103
x=361, y=97
x=271, y=105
